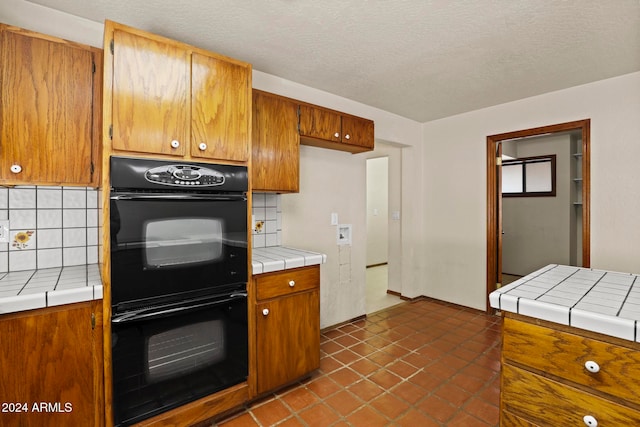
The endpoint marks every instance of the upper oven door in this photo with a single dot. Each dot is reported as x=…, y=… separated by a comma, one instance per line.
x=168, y=244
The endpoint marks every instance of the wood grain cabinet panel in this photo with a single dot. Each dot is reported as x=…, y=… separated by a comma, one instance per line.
x=220, y=105
x=49, y=130
x=557, y=375
x=322, y=127
x=565, y=355
x=275, y=158
x=170, y=98
x=286, y=282
x=150, y=95
x=552, y=403
x=51, y=363
x=287, y=327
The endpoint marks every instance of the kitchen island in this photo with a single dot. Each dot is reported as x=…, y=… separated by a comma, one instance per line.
x=571, y=350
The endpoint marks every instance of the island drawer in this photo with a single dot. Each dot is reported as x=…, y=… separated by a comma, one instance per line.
x=602, y=366
x=276, y=284
x=544, y=401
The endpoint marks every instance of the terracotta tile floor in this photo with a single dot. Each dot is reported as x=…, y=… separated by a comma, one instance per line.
x=423, y=363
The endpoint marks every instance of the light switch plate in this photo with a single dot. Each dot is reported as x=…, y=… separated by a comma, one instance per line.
x=4, y=231
x=334, y=218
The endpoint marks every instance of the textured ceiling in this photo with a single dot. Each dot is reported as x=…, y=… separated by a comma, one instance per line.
x=421, y=59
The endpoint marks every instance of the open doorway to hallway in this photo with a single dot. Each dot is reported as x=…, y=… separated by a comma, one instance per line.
x=377, y=293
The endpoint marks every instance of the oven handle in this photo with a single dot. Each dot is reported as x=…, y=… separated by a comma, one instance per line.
x=214, y=197
x=151, y=313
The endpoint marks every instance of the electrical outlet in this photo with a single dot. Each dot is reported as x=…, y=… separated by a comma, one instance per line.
x=4, y=231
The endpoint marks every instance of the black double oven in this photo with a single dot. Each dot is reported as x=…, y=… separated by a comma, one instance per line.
x=178, y=283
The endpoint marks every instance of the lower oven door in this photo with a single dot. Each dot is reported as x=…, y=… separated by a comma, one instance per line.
x=167, y=356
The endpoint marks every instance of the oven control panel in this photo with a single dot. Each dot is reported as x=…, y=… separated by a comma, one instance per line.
x=184, y=175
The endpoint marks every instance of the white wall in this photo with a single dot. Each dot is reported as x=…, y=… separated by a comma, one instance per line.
x=537, y=230
x=455, y=206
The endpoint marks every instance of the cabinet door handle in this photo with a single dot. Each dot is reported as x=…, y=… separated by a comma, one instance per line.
x=590, y=421
x=347, y=136
x=292, y=283
x=175, y=143
x=202, y=146
x=265, y=312
x=336, y=135
x=592, y=366
x=16, y=168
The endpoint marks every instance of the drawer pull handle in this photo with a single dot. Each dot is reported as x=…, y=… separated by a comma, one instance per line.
x=265, y=312
x=592, y=367
x=202, y=146
x=16, y=168
x=175, y=143
x=292, y=283
x=590, y=421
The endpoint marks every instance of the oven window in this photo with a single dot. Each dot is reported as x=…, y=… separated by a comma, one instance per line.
x=181, y=351
x=178, y=242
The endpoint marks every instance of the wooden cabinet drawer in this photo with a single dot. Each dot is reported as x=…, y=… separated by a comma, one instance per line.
x=271, y=285
x=508, y=419
x=564, y=355
x=547, y=402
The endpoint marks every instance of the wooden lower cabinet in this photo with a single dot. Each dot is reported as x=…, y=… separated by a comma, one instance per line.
x=51, y=364
x=549, y=379
x=287, y=326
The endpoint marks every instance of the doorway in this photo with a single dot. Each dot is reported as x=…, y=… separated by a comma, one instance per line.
x=383, y=287
x=494, y=194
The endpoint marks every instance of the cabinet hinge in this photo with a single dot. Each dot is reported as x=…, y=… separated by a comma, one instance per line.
x=111, y=132
x=93, y=320
x=93, y=68
x=92, y=169
x=298, y=119
x=498, y=161
x=111, y=46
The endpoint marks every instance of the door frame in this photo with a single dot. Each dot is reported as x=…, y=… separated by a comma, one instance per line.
x=494, y=205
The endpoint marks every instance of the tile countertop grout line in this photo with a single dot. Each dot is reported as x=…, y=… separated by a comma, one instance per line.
x=627, y=295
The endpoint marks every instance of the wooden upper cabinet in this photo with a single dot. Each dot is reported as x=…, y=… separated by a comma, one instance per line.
x=150, y=95
x=49, y=131
x=275, y=157
x=327, y=128
x=170, y=98
x=357, y=131
x=219, y=103
x=316, y=122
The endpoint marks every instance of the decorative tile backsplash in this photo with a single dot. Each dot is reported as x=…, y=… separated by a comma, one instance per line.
x=49, y=227
x=267, y=220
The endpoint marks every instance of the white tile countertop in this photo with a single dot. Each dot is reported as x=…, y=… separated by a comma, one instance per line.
x=276, y=258
x=31, y=289
x=600, y=301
